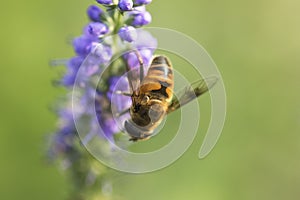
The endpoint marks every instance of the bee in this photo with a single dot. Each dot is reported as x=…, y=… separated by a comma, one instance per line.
x=153, y=99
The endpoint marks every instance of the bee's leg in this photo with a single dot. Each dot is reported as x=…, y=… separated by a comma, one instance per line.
x=140, y=59
x=123, y=93
x=122, y=112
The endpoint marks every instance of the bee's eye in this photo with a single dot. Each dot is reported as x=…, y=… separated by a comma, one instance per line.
x=146, y=99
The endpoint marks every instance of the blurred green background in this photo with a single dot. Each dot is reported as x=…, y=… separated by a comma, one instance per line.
x=256, y=46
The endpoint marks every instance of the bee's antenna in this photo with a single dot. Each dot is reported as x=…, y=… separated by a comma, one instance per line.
x=140, y=59
x=129, y=77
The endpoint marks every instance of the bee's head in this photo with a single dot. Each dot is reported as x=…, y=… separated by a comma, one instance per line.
x=140, y=101
x=136, y=132
x=146, y=111
x=139, y=110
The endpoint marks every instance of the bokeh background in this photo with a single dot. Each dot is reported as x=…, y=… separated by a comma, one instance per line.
x=256, y=46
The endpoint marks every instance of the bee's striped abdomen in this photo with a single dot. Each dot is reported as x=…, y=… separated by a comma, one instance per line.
x=159, y=78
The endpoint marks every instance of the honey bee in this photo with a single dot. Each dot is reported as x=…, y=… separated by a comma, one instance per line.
x=154, y=98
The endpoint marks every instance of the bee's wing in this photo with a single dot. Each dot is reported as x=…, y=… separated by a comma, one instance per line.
x=136, y=75
x=133, y=79
x=191, y=92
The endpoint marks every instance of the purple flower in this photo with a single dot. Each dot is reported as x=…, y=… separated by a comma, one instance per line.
x=102, y=53
x=63, y=140
x=145, y=41
x=75, y=62
x=133, y=61
x=96, y=101
x=64, y=137
x=82, y=45
x=141, y=19
x=128, y=33
x=137, y=10
x=113, y=82
x=117, y=83
x=99, y=54
x=94, y=13
x=73, y=66
x=105, y=117
x=105, y=2
x=145, y=44
x=119, y=102
x=142, y=2
x=97, y=29
x=125, y=5
x=109, y=127
x=69, y=78
x=89, y=70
